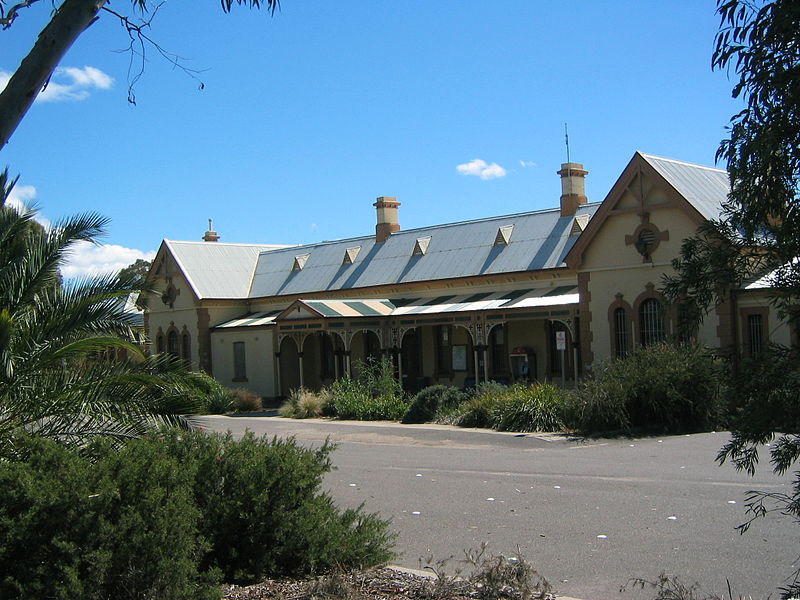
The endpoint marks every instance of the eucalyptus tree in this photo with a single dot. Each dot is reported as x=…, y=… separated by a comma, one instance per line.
x=54, y=380
x=70, y=18
x=758, y=236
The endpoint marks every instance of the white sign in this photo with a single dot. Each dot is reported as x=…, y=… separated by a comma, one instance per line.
x=561, y=340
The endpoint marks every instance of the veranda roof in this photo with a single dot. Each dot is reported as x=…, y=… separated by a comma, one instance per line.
x=384, y=307
x=251, y=320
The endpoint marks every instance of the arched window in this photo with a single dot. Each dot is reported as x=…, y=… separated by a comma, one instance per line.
x=160, y=343
x=621, y=341
x=172, y=343
x=651, y=322
x=186, y=347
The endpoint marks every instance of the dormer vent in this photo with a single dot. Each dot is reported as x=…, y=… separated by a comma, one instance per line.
x=579, y=224
x=503, y=235
x=350, y=255
x=300, y=261
x=421, y=246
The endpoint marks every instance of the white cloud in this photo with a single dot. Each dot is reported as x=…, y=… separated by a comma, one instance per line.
x=69, y=83
x=87, y=259
x=527, y=163
x=314, y=227
x=481, y=169
x=24, y=196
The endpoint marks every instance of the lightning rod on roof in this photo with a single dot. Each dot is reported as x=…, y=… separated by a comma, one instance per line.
x=566, y=139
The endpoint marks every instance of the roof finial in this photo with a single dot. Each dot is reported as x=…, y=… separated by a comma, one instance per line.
x=566, y=140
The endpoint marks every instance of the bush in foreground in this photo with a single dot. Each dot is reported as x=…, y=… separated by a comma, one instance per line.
x=108, y=524
x=669, y=387
x=264, y=513
x=165, y=517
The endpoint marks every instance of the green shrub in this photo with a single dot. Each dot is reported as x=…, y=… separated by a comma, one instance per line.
x=378, y=376
x=219, y=401
x=664, y=387
x=246, y=401
x=166, y=517
x=535, y=407
x=431, y=401
x=264, y=513
x=351, y=399
x=520, y=407
x=375, y=395
x=763, y=394
x=477, y=411
x=108, y=524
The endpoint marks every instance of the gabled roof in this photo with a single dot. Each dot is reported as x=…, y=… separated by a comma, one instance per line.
x=700, y=191
x=540, y=240
x=705, y=188
x=217, y=269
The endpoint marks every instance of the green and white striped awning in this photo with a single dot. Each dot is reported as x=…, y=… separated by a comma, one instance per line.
x=531, y=298
x=251, y=320
x=328, y=309
x=351, y=308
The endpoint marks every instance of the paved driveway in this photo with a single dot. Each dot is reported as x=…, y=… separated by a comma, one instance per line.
x=589, y=515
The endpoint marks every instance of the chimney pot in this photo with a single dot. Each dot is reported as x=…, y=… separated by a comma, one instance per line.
x=388, y=217
x=573, y=188
x=210, y=235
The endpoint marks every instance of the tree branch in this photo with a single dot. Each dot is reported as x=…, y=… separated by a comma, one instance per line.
x=69, y=21
x=8, y=18
x=138, y=42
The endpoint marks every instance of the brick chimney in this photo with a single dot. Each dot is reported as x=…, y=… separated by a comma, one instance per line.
x=573, y=190
x=388, y=218
x=211, y=235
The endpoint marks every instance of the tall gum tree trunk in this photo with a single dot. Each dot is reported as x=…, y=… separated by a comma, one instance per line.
x=69, y=21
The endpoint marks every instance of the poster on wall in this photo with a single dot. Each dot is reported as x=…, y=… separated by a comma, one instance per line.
x=460, y=358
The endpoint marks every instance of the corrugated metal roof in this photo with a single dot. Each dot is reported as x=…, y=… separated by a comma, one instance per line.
x=217, y=269
x=705, y=188
x=540, y=240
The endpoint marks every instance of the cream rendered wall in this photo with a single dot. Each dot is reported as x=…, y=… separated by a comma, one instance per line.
x=617, y=268
x=259, y=359
x=183, y=313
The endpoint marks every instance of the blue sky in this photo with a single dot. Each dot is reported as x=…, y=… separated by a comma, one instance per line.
x=306, y=117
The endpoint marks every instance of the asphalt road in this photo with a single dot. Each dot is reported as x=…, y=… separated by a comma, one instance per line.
x=589, y=515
